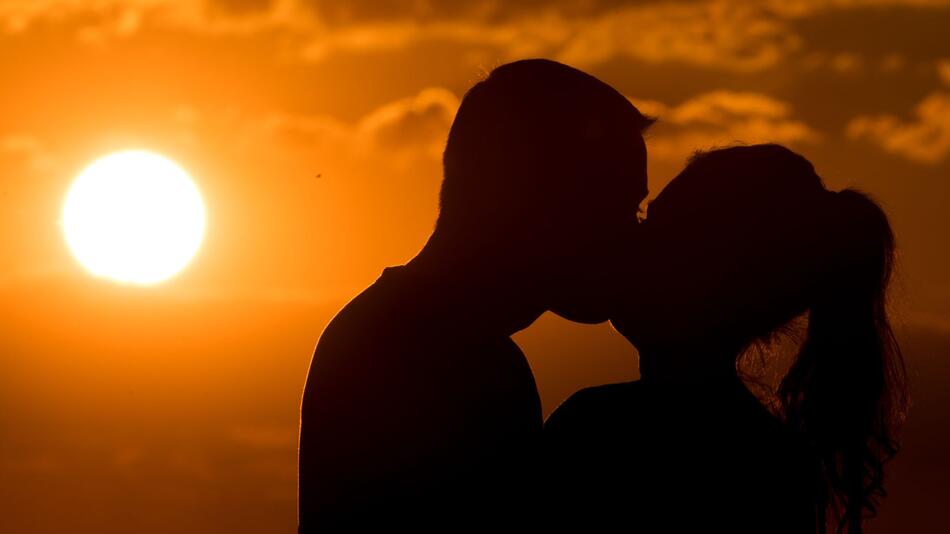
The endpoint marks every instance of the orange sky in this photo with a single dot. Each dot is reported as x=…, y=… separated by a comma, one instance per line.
x=173, y=408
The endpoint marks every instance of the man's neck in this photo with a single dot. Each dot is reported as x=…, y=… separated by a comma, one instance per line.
x=485, y=291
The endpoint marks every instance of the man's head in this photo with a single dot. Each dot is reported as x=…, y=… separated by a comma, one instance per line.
x=545, y=167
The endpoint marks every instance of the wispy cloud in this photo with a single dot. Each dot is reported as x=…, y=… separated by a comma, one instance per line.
x=416, y=127
x=721, y=118
x=925, y=138
x=410, y=127
x=27, y=148
x=101, y=20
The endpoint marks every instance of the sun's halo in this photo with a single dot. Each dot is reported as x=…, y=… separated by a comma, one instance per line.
x=134, y=217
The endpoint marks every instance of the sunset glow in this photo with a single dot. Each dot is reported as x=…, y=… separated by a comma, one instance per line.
x=191, y=190
x=134, y=217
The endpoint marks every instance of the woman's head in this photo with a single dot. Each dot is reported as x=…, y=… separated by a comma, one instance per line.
x=727, y=249
x=746, y=239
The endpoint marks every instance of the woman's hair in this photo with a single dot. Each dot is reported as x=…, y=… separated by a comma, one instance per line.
x=778, y=245
x=846, y=389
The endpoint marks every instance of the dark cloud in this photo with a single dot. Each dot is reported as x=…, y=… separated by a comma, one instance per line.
x=915, y=32
x=336, y=12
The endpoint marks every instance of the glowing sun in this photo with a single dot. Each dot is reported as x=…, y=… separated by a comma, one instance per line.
x=134, y=216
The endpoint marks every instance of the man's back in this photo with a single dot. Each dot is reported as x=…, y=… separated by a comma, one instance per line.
x=410, y=416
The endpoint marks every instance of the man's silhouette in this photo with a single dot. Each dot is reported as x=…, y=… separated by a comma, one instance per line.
x=418, y=406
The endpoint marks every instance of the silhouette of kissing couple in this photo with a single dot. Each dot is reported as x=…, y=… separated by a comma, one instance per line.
x=420, y=411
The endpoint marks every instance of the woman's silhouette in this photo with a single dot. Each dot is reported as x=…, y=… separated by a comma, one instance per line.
x=742, y=242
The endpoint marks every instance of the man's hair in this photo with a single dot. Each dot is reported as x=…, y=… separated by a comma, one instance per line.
x=531, y=135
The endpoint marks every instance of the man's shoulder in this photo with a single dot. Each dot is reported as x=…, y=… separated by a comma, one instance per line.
x=399, y=333
x=386, y=304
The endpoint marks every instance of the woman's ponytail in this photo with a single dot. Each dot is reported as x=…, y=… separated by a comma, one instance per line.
x=846, y=391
